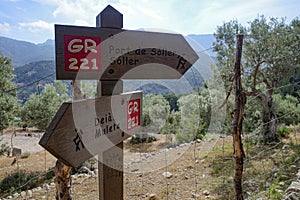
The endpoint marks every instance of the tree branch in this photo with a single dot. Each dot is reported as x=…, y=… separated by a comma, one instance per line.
x=255, y=73
x=228, y=94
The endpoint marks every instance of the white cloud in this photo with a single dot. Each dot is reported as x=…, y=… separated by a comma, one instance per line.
x=37, y=26
x=5, y=28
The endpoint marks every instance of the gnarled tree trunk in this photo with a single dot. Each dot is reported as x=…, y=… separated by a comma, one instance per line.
x=269, y=118
x=63, y=181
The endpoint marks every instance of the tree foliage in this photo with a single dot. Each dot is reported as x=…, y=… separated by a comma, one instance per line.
x=40, y=108
x=155, y=111
x=270, y=54
x=8, y=101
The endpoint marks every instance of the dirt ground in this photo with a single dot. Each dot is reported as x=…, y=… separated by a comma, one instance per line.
x=144, y=165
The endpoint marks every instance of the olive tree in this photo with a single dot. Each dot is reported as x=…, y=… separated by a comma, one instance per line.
x=270, y=53
x=40, y=108
x=8, y=100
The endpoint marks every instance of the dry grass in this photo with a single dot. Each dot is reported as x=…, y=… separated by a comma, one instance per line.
x=193, y=174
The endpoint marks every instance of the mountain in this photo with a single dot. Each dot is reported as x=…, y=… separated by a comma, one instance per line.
x=35, y=61
x=31, y=78
x=21, y=52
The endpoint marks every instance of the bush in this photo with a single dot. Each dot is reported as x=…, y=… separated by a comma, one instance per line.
x=4, y=149
x=18, y=181
x=284, y=131
x=138, y=140
x=49, y=174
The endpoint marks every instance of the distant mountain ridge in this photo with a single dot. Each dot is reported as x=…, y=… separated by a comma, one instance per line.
x=22, y=53
x=34, y=61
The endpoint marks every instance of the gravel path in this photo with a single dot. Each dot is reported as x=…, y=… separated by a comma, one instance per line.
x=27, y=142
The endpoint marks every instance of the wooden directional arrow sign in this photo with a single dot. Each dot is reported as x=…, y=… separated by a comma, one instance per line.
x=82, y=129
x=112, y=54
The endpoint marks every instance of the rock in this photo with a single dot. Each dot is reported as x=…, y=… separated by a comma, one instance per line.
x=294, y=187
x=29, y=192
x=298, y=175
x=293, y=191
x=92, y=174
x=205, y=192
x=38, y=188
x=9, y=197
x=195, y=195
x=167, y=175
x=274, y=170
x=280, y=191
x=46, y=186
x=267, y=185
x=52, y=184
x=281, y=183
x=15, y=195
x=23, y=194
x=286, y=146
x=153, y=197
x=85, y=170
x=16, y=152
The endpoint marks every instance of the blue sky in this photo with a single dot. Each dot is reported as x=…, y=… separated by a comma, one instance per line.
x=33, y=20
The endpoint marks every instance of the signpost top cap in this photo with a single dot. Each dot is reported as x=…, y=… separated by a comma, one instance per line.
x=109, y=18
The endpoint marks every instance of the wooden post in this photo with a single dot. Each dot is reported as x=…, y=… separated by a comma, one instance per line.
x=110, y=164
x=237, y=122
x=63, y=179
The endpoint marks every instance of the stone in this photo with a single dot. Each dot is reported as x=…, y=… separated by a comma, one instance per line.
x=29, y=192
x=294, y=187
x=38, y=188
x=92, y=174
x=85, y=170
x=167, y=175
x=298, y=175
x=153, y=197
x=195, y=195
x=23, y=194
x=281, y=183
x=16, y=151
x=205, y=192
x=15, y=195
x=46, y=186
x=286, y=146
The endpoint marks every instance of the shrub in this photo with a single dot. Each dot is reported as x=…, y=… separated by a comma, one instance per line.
x=18, y=181
x=4, y=149
x=138, y=140
x=284, y=131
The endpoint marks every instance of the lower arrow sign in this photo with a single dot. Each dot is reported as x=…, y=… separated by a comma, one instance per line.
x=84, y=128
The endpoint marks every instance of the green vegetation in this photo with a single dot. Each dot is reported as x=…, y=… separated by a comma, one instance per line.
x=8, y=101
x=270, y=52
x=40, y=108
x=18, y=181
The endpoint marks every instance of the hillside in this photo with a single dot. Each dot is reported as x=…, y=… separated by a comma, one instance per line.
x=35, y=61
x=30, y=78
x=21, y=52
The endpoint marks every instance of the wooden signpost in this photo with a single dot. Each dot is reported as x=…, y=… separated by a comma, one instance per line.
x=108, y=53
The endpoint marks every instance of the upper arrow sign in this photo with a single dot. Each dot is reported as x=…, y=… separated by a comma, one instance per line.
x=112, y=54
x=82, y=129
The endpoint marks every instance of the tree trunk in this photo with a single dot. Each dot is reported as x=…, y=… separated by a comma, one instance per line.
x=62, y=181
x=269, y=118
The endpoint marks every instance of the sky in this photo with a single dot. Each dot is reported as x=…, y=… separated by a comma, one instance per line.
x=33, y=20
